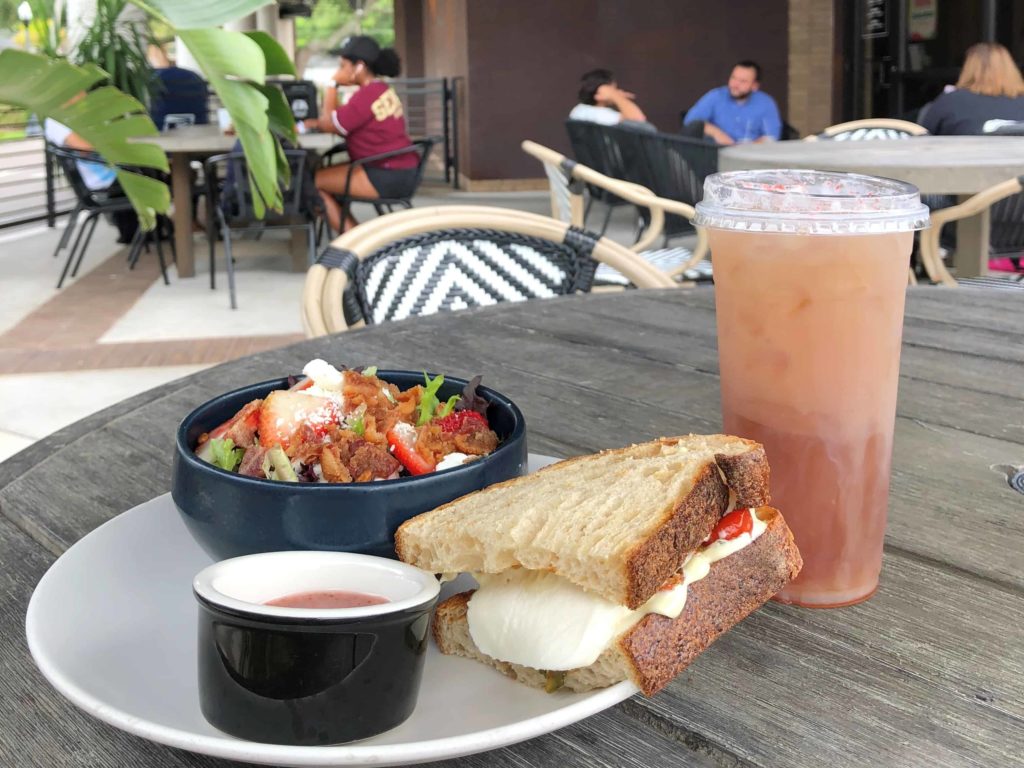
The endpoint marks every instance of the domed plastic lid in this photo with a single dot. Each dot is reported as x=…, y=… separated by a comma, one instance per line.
x=810, y=202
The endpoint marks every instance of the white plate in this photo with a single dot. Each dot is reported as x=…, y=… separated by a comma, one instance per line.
x=112, y=625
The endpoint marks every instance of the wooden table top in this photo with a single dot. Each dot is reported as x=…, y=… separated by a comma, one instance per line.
x=960, y=165
x=210, y=139
x=929, y=672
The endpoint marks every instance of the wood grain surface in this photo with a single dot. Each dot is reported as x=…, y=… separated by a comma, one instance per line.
x=930, y=672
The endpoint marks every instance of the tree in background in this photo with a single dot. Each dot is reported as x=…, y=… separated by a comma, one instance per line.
x=334, y=20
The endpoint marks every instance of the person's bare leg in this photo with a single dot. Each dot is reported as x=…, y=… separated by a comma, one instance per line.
x=331, y=181
x=333, y=211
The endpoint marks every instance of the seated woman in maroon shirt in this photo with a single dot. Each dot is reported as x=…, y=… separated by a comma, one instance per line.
x=371, y=122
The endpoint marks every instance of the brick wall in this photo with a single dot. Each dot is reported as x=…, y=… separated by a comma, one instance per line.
x=811, y=49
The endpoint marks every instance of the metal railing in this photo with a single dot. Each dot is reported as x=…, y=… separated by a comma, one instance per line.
x=431, y=109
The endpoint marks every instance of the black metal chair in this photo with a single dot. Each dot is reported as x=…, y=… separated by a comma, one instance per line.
x=596, y=148
x=230, y=197
x=672, y=167
x=568, y=178
x=381, y=205
x=93, y=203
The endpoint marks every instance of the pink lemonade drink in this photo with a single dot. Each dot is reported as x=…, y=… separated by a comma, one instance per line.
x=810, y=280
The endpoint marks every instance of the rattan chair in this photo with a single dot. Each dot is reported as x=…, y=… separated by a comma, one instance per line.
x=870, y=129
x=427, y=260
x=566, y=180
x=1005, y=204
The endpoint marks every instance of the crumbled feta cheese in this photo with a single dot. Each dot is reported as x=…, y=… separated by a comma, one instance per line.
x=454, y=459
x=324, y=375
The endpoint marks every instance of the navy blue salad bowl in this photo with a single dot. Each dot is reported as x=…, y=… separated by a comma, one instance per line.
x=230, y=514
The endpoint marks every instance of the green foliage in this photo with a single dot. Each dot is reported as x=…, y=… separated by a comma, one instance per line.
x=119, y=49
x=9, y=14
x=195, y=14
x=106, y=118
x=235, y=65
x=332, y=20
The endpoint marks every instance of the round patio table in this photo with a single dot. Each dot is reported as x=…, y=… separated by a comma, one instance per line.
x=929, y=672
x=940, y=165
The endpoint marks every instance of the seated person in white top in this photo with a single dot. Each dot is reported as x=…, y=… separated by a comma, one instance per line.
x=95, y=176
x=602, y=101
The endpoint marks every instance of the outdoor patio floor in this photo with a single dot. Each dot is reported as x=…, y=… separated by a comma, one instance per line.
x=111, y=333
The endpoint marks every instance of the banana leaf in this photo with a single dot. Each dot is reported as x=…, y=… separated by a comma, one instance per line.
x=235, y=64
x=230, y=60
x=192, y=14
x=105, y=117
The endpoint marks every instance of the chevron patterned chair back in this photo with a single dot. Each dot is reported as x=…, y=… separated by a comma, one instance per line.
x=870, y=129
x=428, y=260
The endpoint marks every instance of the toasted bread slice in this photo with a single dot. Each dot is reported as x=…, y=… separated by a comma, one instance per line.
x=656, y=649
x=616, y=523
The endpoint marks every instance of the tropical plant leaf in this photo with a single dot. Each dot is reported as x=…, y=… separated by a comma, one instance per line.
x=276, y=57
x=153, y=194
x=106, y=118
x=230, y=61
x=191, y=14
x=279, y=114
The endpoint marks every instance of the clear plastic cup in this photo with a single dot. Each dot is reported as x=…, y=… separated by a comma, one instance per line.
x=810, y=275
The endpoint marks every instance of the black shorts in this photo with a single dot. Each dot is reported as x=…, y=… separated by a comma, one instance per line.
x=392, y=182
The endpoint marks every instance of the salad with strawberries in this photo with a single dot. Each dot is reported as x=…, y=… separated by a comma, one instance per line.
x=349, y=426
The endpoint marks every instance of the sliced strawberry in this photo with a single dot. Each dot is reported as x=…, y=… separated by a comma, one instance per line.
x=402, y=441
x=284, y=413
x=455, y=421
x=301, y=384
x=732, y=525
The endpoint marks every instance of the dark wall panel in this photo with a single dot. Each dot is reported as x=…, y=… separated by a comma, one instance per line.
x=525, y=59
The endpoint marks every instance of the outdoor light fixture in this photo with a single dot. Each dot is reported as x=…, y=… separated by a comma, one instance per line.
x=25, y=17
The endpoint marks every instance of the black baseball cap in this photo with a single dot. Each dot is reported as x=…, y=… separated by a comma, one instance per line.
x=357, y=48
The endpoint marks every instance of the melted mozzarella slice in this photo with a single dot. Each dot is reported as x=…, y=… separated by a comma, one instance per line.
x=541, y=620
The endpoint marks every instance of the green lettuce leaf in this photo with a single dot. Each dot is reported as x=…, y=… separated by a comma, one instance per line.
x=429, y=401
x=224, y=453
x=449, y=406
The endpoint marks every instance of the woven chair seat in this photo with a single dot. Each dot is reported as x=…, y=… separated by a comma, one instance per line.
x=1009, y=283
x=871, y=134
x=456, y=269
x=665, y=259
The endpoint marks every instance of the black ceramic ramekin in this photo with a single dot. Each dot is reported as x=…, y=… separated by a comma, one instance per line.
x=310, y=676
x=231, y=515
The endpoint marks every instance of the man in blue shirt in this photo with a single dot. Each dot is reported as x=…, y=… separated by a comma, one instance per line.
x=738, y=112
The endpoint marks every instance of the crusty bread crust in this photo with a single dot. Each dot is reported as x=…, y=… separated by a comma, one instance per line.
x=657, y=648
x=747, y=474
x=685, y=522
x=656, y=558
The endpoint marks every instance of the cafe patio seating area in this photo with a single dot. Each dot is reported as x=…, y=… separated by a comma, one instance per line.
x=632, y=385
